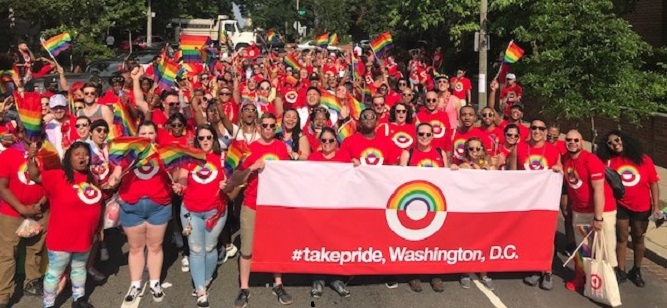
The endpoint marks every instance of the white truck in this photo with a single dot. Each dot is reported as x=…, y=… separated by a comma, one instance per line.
x=215, y=28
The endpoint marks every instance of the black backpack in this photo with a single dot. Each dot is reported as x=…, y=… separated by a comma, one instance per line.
x=614, y=179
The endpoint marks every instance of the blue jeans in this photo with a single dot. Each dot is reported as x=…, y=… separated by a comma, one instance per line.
x=203, y=242
x=145, y=210
x=58, y=261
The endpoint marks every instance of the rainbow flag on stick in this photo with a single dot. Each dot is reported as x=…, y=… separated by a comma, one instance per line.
x=237, y=151
x=55, y=45
x=292, y=62
x=176, y=155
x=190, y=46
x=271, y=35
x=346, y=130
x=122, y=117
x=29, y=109
x=382, y=43
x=128, y=149
x=48, y=158
x=513, y=53
x=333, y=39
x=330, y=101
x=166, y=73
x=322, y=40
x=355, y=106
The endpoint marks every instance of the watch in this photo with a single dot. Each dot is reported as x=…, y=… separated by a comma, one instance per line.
x=595, y=219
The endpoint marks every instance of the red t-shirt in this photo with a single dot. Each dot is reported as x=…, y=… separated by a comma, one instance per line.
x=432, y=158
x=532, y=158
x=561, y=146
x=512, y=93
x=14, y=168
x=149, y=181
x=442, y=129
x=496, y=137
x=579, y=173
x=159, y=118
x=524, y=132
x=276, y=150
x=461, y=87
x=203, y=186
x=460, y=138
x=75, y=211
x=339, y=157
x=231, y=110
x=637, y=180
x=403, y=136
x=377, y=151
x=392, y=98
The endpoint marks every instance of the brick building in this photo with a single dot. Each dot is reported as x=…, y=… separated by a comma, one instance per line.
x=649, y=20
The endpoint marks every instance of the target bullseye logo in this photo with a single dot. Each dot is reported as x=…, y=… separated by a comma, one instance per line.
x=629, y=175
x=88, y=193
x=402, y=139
x=416, y=210
x=572, y=178
x=536, y=162
x=205, y=174
x=596, y=282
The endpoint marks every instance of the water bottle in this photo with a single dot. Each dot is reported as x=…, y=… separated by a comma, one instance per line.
x=659, y=218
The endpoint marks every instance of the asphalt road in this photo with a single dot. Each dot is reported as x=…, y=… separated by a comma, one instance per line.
x=366, y=291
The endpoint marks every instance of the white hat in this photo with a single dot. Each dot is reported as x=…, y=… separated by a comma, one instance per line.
x=57, y=100
x=510, y=76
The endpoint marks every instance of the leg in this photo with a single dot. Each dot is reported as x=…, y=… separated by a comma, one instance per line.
x=154, y=239
x=58, y=261
x=622, y=241
x=211, y=241
x=34, y=250
x=638, y=230
x=9, y=242
x=609, y=233
x=195, y=243
x=78, y=274
x=247, y=234
x=136, y=239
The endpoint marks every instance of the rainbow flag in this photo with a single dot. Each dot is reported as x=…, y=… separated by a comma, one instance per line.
x=333, y=40
x=190, y=46
x=513, y=53
x=346, y=130
x=321, y=40
x=291, y=80
x=191, y=69
x=279, y=124
x=29, y=109
x=292, y=62
x=166, y=73
x=128, y=149
x=382, y=43
x=176, y=155
x=208, y=57
x=330, y=101
x=263, y=100
x=48, y=157
x=237, y=151
x=122, y=117
x=355, y=106
x=247, y=97
x=55, y=45
x=145, y=157
x=270, y=36
x=356, y=75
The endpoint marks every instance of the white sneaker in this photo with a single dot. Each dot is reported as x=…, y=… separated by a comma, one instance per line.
x=185, y=264
x=104, y=254
x=231, y=251
x=178, y=240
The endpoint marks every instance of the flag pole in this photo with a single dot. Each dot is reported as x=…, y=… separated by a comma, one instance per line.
x=41, y=39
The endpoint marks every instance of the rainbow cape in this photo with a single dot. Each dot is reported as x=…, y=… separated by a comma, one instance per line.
x=128, y=149
x=381, y=43
x=176, y=155
x=48, y=158
x=29, y=109
x=292, y=62
x=333, y=39
x=513, y=53
x=321, y=40
x=57, y=44
x=190, y=46
x=330, y=101
x=122, y=117
x=236, y=152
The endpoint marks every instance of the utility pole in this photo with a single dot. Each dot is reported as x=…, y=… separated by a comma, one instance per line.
x=149, y=25
x=483, y=43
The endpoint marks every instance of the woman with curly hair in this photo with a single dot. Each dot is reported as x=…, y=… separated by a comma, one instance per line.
x=400, y=128
x=624, y=154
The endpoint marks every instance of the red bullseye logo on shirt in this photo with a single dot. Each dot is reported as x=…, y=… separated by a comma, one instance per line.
x=511, y=96
x=402, y=139
x=536, y=162
x=146, y=172
x=87, y=193
x=416, y=210
x=23, y=175
x=629, y=175
x=205, y=174
x=459, y=148
x=291, y=96
x=573, y=179
x=458, y=86
x=100, y=171
x=438, y=129
x=371, y=156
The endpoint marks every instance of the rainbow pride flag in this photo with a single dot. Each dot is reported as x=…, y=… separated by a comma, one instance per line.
x=513, y=53
x=381, y=43
x=346, y=130
x=29, y=109
x=208, y=57
x=247, y=97
x=321, y=40
x=122, y=117
x=237, y=151
x=190, y=46
x=166, y=73
x=48, y=157
x=57, y=44
x=292, y=62
x=176, y=155
x=330, y=101
x=356, y=107
x=128, y=149
x=333, y=39
x=270, y=36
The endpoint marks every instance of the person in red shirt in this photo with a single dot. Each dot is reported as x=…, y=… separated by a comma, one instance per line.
x=461, y=86
x=265, y=149
x=516, y=114
x=511, y=140
x=74, y=218
x=442, y=128
x=203, y=209
x=145, y=203
x=591, y=199
x=488, y=125
x=511, y=94
x=424, y=154
x=536, y=153
x=381, y=109
x=400, y=128
x=20, y=198
x=553, y=135
x=329, y=151
x=624, y=154
x=367, y=147
x=461, y=135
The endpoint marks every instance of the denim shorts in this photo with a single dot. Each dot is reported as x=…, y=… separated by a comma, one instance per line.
x=132, y=215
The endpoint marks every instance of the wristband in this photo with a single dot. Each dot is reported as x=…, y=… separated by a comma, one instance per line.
x=600, y=220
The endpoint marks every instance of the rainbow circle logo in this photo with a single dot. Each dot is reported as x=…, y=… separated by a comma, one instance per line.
x=459, y=148
x=205, y=174
x=535, y=162
x=270, y=156
x=23, y=175
x=439, y=129
x=572, y=178
x=146, y=172
x=87, y=193
x=629, y=175
x=416, y=210
x=371, y=156
x=402, y=140
x=428, y=163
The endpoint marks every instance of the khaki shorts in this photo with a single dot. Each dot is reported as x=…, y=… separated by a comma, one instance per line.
x=608, y=232
x=247, y=230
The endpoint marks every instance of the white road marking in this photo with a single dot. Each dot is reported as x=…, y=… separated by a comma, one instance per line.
x=138, y=300
x=495, y=300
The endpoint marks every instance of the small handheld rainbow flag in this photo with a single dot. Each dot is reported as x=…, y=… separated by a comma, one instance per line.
x=321, y=40
x=355, y=106
x=122, y=117
x=333, y=39
x=48, y=157
x=176, y=155
x=237, y=151
x=513, y=53
x=166, y=72
x=208, y=57
x=346, y=130
x=330, y=101
x=55, y=45
x=248, y=97
x=292, y=62
x=128, y=149
x=190, y=46
x=29, y=109
x=381, y=43
x=270, y=36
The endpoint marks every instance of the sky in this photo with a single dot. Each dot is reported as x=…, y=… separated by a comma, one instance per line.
x=237, y=15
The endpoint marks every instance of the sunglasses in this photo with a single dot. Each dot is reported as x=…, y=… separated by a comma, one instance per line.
x=249, y=109
x=101, y=130
x=368, y=117
x=615, y=140
x=325, y=141
x=552, y=137
x=431, y=100
x=265, y=125
x=78, y=107
x=202, y=138
x=89, y=93
x=487, y=115
x=225, y=94
x=475, y=149
x=512, y=135
x=401, y=111
x=265, y=89
x=176, y=125
x=443, y=81
x=378, y=105
x=402, y=84
x=407, y=94
x=172, y=104
x=572, y=140
x=81, y=125
x=540, y=128
x=422, y=134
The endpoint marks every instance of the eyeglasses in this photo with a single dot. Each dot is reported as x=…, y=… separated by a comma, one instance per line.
x=431, y=100
x=325, y=141
x=401, y=111
x=101, y=130
x=78, y=107
x=265, y=89
x=422, y=134
x=172, y=104
x=368, y=117
x=475, y=149
x=402, y=84
x=81, y=125
x=487, y=115
x=407, y=94
x=265, y=125
x=176, y=125
x=249, y=109
x=89, y=93
x=615, y=140
x=201, y=138
x=552, y=137
x=540, y=128
x=572, y=140
x=512, y=135
x=225, y=94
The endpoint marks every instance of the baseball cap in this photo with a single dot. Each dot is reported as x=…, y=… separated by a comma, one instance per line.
x=510, y=76
x=57, y=100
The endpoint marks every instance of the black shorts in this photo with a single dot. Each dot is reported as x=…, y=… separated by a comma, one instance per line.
x=624, y=213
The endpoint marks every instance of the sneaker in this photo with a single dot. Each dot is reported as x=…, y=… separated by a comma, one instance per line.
x=104, y=254
x=96, y=275
x=318, y=289
x=185, y=264
x=635, y=275
x=282, y=295
x=132, y=294
x=81, y=303
x=465, y=282
x=231, y=251
x=202, y=301
x=576, y=284
x=340, y=288
x=621, y=275
x=415, y=285
x=488, y=283
x=194, y=291
x=437, y=285
x=242, y=299
x=547, y=282
x=178, y=240
x=34, y=288
x=532, y=280
x=157, y=292
x=222, y=257
x=391, y=285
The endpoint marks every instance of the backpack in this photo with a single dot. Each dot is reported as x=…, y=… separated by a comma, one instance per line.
x=614, y=180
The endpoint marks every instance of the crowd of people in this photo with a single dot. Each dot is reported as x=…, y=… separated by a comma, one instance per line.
x=413, y=116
